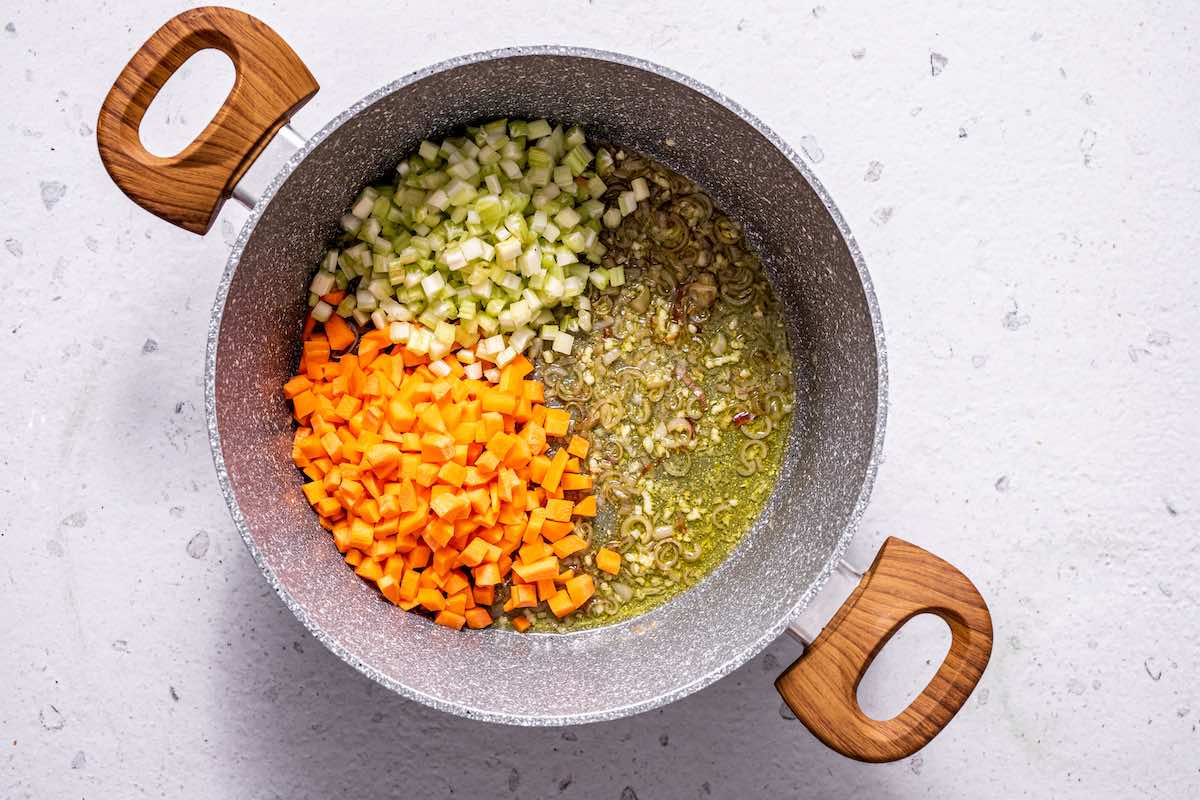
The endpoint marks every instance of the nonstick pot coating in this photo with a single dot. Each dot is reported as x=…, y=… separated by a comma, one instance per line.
x=839, y=377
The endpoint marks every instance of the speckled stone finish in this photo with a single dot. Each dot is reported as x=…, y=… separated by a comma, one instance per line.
x=783, y=561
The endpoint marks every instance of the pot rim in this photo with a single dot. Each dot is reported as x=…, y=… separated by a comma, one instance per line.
x=735, y=660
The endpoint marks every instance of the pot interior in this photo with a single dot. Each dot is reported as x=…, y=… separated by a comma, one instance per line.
x=701, y=634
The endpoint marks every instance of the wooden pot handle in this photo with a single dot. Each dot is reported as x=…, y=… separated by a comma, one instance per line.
x=821, y=687
x=189, y=188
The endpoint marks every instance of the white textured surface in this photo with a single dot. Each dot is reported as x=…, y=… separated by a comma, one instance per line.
x=1031, y=232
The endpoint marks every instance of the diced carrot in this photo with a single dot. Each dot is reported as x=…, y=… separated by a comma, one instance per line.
x=370, y=344
x=537, y=518
x=368, y=509
x=451, y=506
x=369, y=569
x=456, y=603
x=481, y=498
x=474, y=553
x=534, y=391
x=520, y=493
x=432, y=484
x=538, y=468
x=464, y=433
x=559, y=510
x=580, y=588
x=574, y=482
x=557, y=422
x=314, y=491
x=542, y=568
x=452, y=473
x=524, y=596
x=384, y=458
x=500, y=444
x=389, y=587
x=578, y=447
x=419, y=557
x=431, y=419
x=519, y=454
x=484, y=595
x=296, y=385
x=389, y=504
x=400, y=415
x=406, y=496
x=493, y=423
x=561, y=603
x=568, y=545
x=608, y=560
x=437, y=447
x=532, y=551
x=338, y=332
x=349, y=490
x=415, y=519
x=534, y=436
x=457, y=597
x=408, y=585
x=373, y=418
x=495, y=400
x=586, y=507
x=487, y=461
x=432, y=599
x=487, y=574
x=394, y=566
x=478, y=617
x=545, y=590
x=553, y=530
x=555, y=471
x=362, y=535
x=356, y=383
x=450, y=619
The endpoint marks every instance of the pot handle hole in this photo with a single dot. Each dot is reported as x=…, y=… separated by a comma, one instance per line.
x=821, y=686
x=188, y=189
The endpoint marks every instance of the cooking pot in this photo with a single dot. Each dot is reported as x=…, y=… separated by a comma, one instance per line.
x=794, y=547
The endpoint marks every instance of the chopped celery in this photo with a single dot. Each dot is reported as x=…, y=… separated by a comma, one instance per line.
x=604, y=162
x=323, y=283
x=567, y=218
x=507, y=250
x=537, y=129
x=322, y=311
x=641, y=190
x=563, y=342
x=627, y=202
x=491, y=234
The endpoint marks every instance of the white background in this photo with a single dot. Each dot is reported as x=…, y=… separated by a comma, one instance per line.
x=1032, y=233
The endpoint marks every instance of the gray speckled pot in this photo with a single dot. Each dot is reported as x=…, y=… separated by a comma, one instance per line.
x=834, y=332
